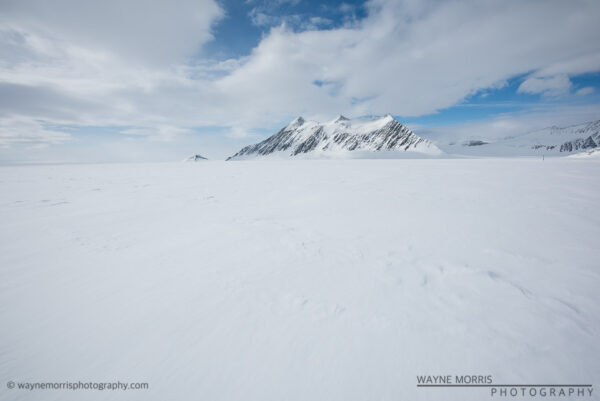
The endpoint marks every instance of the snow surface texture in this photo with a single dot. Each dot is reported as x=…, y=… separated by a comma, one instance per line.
x=551, y=141
x=341, y=138
x=587, y=154
x=299, y=280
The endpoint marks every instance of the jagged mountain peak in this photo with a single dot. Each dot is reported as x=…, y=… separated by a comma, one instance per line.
x=339, y=137
x=296, y=122
x=341, y=118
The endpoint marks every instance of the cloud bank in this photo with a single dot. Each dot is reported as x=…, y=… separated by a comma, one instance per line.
x=140, y=65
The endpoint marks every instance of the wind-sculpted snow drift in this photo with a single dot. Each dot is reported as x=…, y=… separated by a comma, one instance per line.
x=339, y=137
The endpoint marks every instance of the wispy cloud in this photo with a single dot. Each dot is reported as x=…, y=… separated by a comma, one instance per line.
x=556, y=85
x=588, y=90
x=31, y=133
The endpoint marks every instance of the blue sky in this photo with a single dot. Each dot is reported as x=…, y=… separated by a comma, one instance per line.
x=241, y=29
x=492, y=102
x=139, y=81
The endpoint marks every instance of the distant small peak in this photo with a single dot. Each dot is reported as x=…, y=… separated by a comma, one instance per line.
x=341, y=118
x=195, y=158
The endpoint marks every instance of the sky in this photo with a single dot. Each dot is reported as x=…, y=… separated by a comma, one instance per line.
x=135, y=81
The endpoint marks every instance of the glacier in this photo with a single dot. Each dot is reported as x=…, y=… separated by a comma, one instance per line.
x=299, y=279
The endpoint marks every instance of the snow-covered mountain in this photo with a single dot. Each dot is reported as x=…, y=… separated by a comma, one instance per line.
x=339, y=137
x=557, y=141
x=565, y=139
x=195, y=158
x=575, y=138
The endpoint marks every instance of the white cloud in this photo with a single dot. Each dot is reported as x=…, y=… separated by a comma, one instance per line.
x=588, y=90
x=319, y=21
x=237, y=132
x=260, y=18
x=156, y=31
x=412, y=58
x=19, y=131
x=157, y=133
x=296, y=22
x=550, y=86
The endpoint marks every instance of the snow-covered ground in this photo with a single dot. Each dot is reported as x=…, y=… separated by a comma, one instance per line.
x=299, y=280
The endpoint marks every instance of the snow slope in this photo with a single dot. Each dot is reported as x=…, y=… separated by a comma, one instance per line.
x=299, y=280
x=592, y=153
x=551, y=141
x=382, y=136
